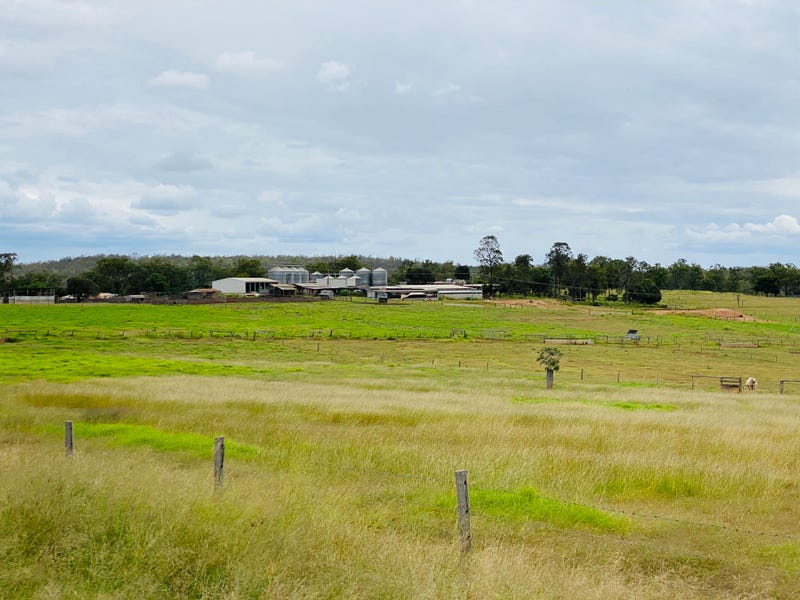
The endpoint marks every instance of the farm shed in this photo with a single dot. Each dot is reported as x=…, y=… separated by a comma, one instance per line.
x=243, y=285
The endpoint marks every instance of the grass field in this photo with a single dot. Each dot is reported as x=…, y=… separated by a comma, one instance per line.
x=345, y=423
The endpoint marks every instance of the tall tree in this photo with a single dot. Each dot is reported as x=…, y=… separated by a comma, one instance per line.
x=558, y=259
x=489, y=257
x=7, y=260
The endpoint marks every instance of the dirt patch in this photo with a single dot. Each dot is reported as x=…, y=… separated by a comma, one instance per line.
x=527, y=303
x=727, y=314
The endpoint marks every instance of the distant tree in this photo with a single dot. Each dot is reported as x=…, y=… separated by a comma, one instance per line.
x=81, y=287
x=557, y=259
x=202, y=271
x=38, y=280
x=766, y=281
x=7, y=260
x=489, y=257
x=320, y=266
x=116, y=274
x=346, y=262
x=550, y=358
x=461, y=272
x=248, y=267
x=596, y=279
x=643, y=291
x=419, y=274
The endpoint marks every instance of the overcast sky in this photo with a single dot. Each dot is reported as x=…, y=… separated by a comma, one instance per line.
x=659, y=129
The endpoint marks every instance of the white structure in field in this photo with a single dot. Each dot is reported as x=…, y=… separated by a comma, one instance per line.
x=243, y=285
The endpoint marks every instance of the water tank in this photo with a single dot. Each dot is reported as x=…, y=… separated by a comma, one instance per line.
x=380, y=277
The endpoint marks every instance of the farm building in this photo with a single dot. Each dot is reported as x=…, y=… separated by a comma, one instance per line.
x=243, y=285
x=432, y=290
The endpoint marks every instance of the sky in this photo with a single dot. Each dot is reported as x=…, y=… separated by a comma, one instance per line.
x=662, y=130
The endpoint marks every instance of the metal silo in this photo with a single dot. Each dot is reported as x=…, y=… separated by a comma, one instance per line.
x=365, y=275
x=380, y=277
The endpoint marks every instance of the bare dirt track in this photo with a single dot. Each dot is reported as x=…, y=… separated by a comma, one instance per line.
x=713, y=313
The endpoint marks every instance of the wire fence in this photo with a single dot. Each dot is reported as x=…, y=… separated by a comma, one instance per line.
x=407, y=333
x=474, y=510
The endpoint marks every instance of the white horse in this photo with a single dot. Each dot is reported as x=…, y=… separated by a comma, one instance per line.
x=751, y=384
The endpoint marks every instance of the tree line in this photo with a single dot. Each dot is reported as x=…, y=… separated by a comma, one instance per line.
x=574, y=276
x=562, y=273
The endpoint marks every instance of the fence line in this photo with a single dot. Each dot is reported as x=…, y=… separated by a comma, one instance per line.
x=463, y=507
x=410, y=332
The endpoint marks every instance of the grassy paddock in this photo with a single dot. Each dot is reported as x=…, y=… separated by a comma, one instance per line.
x=341, y=455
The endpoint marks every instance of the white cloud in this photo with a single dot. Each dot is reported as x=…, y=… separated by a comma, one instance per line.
x=401, y=88
x=334, y=75
x=780, y=225
x=246, y=62
x=180, y=79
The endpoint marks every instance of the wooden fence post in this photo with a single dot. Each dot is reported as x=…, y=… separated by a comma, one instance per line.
x=69, y=444
x=462, y=492
x=219, y=460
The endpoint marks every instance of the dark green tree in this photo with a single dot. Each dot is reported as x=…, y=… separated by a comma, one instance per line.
x=557, y=260
x=550, y=358
x=7, y=260
x=419, y=274
x=489, y=257
x=461, y=272
x=248, y=267
x=116, y=274
x=643, y=291
x=81, y=287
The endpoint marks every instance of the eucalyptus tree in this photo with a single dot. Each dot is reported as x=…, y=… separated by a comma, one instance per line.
x=558, y=259
x=489, y=257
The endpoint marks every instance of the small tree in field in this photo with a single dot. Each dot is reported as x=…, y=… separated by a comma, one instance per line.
x=550, y=358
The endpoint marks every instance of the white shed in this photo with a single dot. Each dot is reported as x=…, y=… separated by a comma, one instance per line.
x=242, y=285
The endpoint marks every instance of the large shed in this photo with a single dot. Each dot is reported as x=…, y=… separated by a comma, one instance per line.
x=243, y=285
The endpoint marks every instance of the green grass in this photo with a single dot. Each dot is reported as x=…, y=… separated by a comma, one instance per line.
x=341, y=449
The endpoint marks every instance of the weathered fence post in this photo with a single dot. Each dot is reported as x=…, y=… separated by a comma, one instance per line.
x=462, y=493
x=69, y=442
x=219, y=460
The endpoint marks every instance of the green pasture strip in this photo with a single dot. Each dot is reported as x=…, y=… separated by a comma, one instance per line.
x=361, y=319
x=527, y=504
x=125, y=434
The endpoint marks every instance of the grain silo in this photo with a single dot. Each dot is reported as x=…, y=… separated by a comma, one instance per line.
x=288, y=274
x=380, y=278
x=365, y=275
x=279, y=274
x=346, y=273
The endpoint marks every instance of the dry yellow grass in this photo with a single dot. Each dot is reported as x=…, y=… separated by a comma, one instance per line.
x=349, y=492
